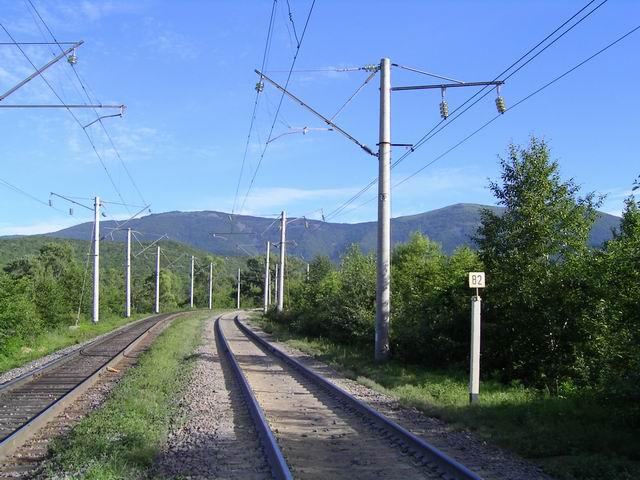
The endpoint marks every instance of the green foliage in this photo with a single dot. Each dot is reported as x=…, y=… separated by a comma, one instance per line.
x=47, y=288
x=574, y=436
x=618, y=288
x=122, y=438
x=534, y=257
x=338, y=303
x=430, y=319
x=18, y=315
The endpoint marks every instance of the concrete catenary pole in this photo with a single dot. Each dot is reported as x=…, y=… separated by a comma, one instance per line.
x=127, y=274
x=96, y=261
x=474, y=380
x=157, y=305
x=238, y=301
x=275, y=281
x=267, y=279
x=191, y=289
x=383, y=283
x=210, y=286
x=283, y=237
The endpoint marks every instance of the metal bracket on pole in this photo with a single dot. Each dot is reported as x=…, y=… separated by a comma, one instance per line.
x=317, y=114
x=447, y=85
x=40, y=70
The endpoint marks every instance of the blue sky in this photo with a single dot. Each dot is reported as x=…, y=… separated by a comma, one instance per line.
x=185, y=72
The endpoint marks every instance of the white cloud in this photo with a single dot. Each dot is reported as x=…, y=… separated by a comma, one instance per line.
x=613, y=203
x=166, y=42
x=38, y=227
x=278, y=197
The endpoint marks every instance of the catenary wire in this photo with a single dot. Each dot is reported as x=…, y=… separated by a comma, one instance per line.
x=293, y=62
x=26, y=194
x=265, y=55
x=430, y=134
x=104, y=166
x=515, y=105
x=98, y=118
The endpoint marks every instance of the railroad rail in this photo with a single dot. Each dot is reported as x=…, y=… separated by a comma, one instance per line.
x=29, y=401
x=311, y=428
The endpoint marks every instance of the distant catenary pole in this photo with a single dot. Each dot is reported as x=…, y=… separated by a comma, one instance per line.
x=267, y=279
x=238, y=300
x=283, y=237
x=157, y=303
x=210, y=286
x=127, y=273
x=191, y=289
x=96, y=261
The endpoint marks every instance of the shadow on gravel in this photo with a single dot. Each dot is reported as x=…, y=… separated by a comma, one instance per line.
x=200, y=356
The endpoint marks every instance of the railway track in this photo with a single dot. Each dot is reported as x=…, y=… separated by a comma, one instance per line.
x=29, y=401
x=312, y=429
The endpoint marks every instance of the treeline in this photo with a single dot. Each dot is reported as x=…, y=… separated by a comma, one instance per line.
x=47, y=290
x=557, y=314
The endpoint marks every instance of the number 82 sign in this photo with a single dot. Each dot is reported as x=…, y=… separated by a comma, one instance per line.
x=476, y=279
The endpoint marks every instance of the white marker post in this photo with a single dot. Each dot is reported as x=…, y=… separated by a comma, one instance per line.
x=476, y=280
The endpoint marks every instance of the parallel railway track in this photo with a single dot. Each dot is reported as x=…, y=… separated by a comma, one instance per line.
x=310, y=428
x=32, y=399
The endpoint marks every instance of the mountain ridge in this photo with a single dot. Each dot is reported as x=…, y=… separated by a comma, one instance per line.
x=451, y=226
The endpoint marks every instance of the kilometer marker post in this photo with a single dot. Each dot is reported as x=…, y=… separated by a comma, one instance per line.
x=477, y=281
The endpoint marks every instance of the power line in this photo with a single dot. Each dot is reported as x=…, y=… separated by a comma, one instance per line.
x=26, y=194
x=104, y=166
x=265, y=54
x=293, y=24
x=435, y=130
x=358, y=90
x=295, y=58
x=98, y=118
x=515, y=105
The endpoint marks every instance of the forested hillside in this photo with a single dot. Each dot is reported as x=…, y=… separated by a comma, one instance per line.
x=238, y=235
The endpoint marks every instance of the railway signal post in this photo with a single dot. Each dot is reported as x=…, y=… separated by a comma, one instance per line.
x=477, y=281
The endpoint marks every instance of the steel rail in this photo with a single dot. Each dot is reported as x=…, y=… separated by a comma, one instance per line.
x=20, y=435
x=38, y=371
x=446, y=463
x=275, y=458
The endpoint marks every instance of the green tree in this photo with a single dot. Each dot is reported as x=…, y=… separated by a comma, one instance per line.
x=619, y=290
x=534, y=328
x=18, y=315
x=55, y=276
x=430, y=318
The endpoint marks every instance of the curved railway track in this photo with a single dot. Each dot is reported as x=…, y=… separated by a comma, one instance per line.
x=312, y=429
x=32, y=399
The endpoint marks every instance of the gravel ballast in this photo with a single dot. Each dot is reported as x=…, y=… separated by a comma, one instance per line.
x=213, y=436
x=486, y=460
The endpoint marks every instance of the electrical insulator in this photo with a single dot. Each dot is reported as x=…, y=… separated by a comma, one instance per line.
x=72, y=59
x=444, y=109
x=70, y=211
x=50, y=203
x=259, y=87
x=500, y=105
x=371, y=68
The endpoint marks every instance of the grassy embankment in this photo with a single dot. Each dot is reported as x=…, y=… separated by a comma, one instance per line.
x=574, y=436
x=20, y=352
x=121, y=439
